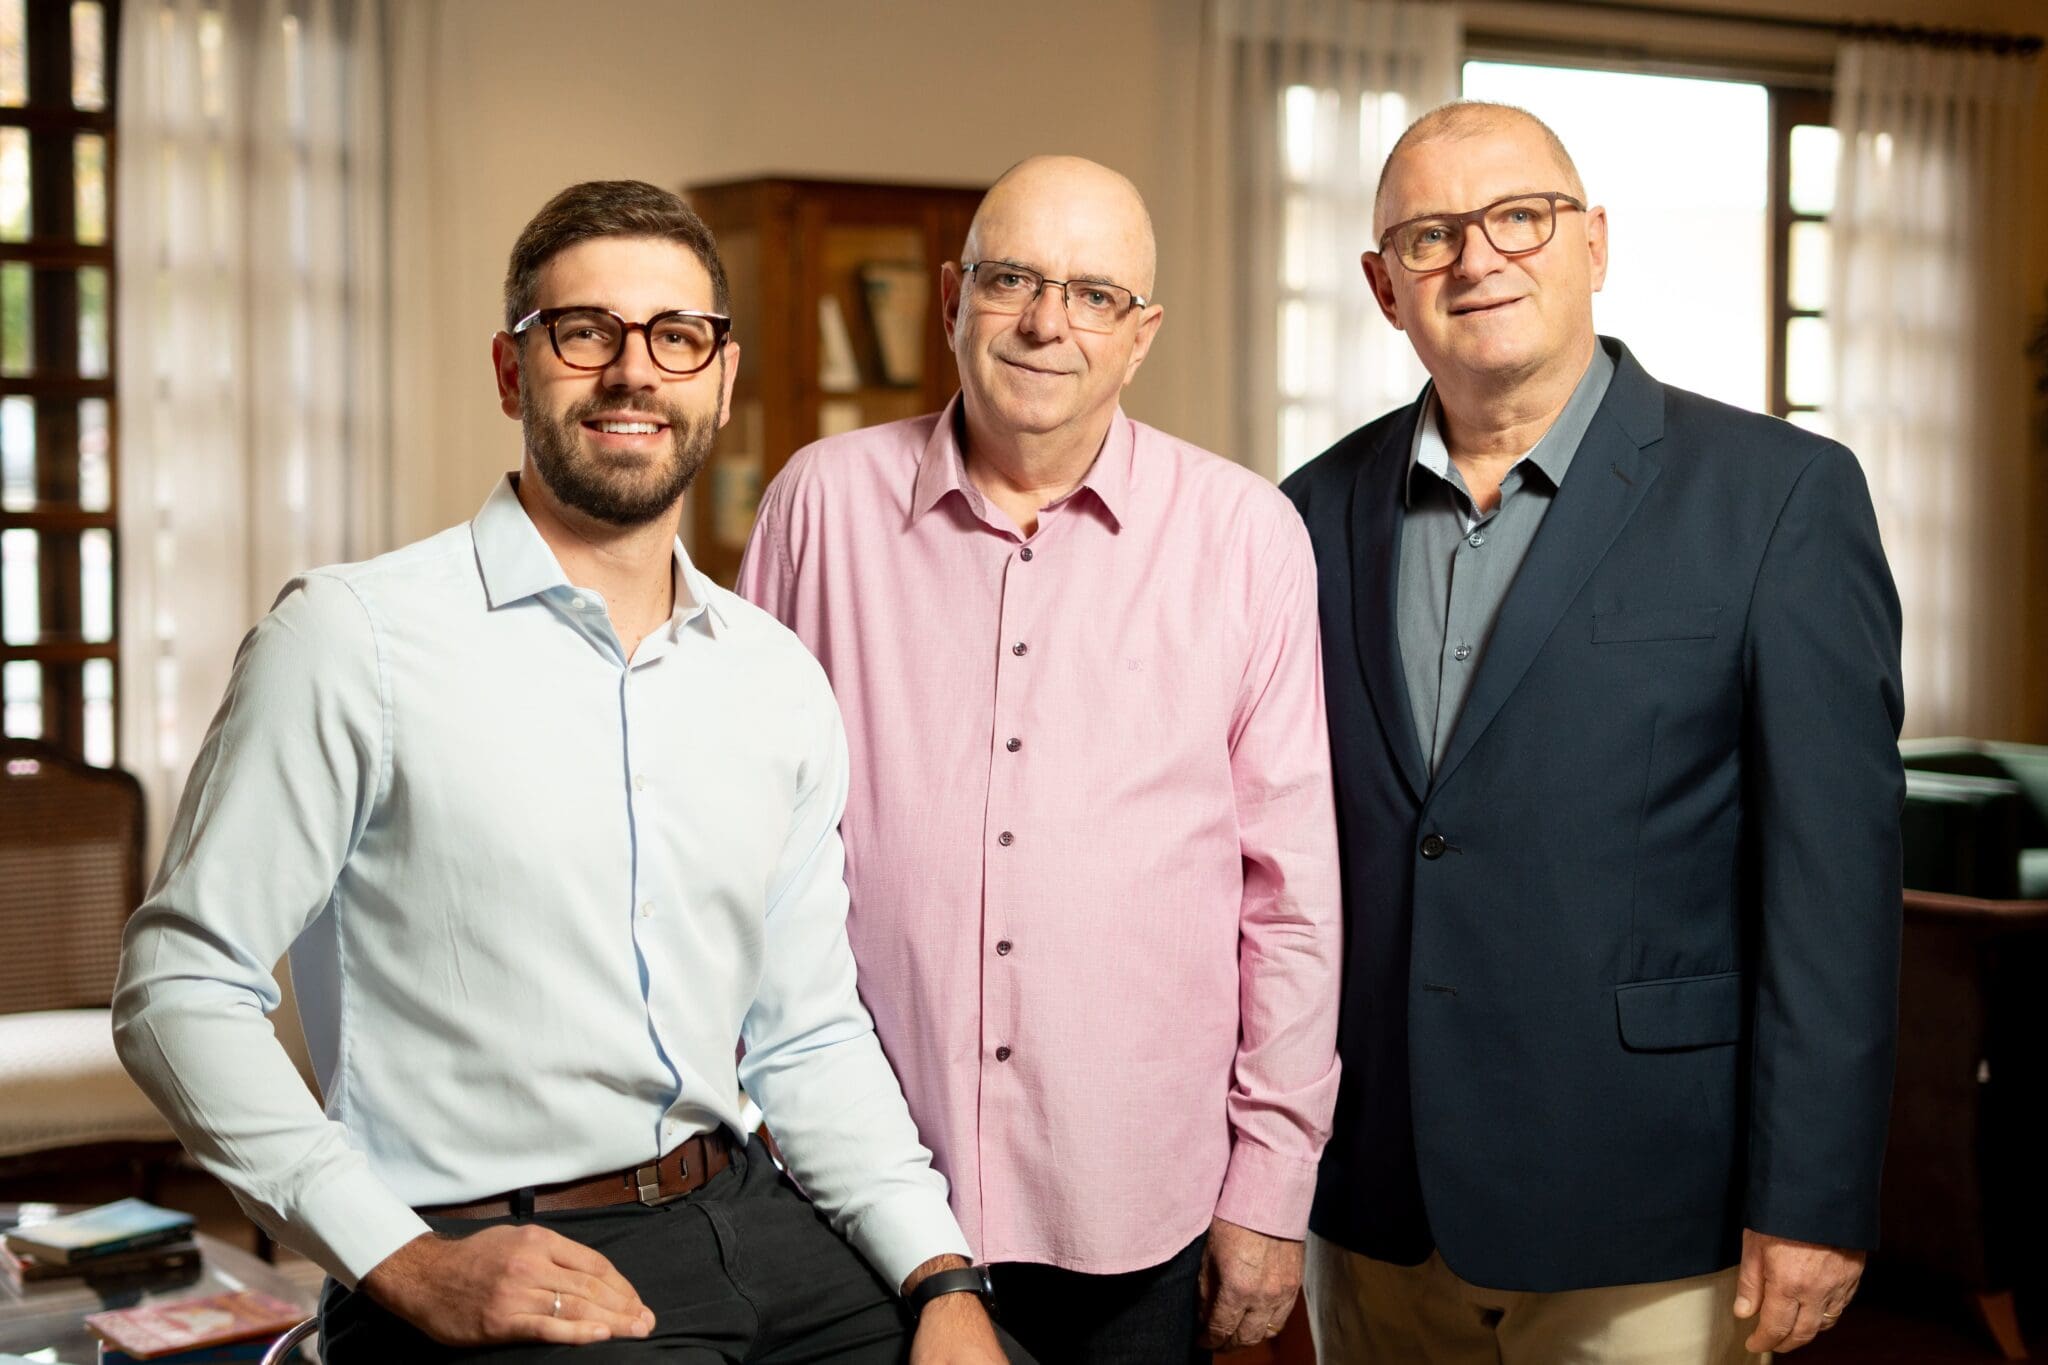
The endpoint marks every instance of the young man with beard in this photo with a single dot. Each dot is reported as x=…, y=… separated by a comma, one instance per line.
x=549, y=824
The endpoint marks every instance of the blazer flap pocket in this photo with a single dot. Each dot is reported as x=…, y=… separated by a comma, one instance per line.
x=1656, y=623
x=1684, y=1011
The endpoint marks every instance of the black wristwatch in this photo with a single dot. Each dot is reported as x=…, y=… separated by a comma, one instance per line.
x=973, y=1279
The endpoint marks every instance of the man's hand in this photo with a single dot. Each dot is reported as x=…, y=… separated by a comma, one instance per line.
x=953, y=1329
x=1795, y=1290
x=500, y=1285
x=1248, y=1284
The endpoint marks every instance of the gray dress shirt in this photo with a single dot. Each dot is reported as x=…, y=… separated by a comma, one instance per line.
x=1457, y=563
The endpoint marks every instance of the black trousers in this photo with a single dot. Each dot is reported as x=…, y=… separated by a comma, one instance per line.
x=1144, y=1317
x=743, y=1270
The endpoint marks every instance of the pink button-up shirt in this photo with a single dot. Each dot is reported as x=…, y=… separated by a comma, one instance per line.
x=1090, y=838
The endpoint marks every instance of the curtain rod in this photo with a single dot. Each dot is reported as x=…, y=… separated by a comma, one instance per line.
x=2025, y=45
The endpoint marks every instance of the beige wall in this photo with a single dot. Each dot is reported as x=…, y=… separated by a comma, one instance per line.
x=905, y=90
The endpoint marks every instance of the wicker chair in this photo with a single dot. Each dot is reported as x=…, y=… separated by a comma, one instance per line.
x=70, y=873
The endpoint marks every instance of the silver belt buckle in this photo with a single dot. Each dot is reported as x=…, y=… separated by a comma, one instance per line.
x=647, y=1184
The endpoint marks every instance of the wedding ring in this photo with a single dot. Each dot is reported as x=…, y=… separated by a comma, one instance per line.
x=558, y=1304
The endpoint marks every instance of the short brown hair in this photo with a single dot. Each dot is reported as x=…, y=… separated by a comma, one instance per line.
x=606, y=208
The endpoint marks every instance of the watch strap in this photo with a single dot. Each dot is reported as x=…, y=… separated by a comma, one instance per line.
x=973, y=1279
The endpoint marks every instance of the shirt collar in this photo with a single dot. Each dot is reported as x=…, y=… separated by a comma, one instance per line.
x=516, y=563
x=1552, y=453
x=942, y=467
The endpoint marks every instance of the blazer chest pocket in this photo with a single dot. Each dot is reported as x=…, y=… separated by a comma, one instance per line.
x=1680, y=1012
x=1656, y=623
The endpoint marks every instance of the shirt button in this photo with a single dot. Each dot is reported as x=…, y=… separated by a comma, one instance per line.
x=1462, y=653
x=639, y=782
x=1013, y=744
x=1002, y=1054
x=1006, y=838
x=1025, y=554
x=1476, y=539
x=1433, y=846
x=646, y=909
x=1020, y=649
x=1003, y=948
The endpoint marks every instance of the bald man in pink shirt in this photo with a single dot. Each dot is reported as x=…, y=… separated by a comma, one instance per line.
x=1090, y=837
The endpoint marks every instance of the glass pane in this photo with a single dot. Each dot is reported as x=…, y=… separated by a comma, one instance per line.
x=1294, y=243
x=1809, y=366
x=1293, y=348
x=1819, y=423
x=13, y=52
x=89, y=167
x=21, y=699
x=21, y=612
x=1811, y=243
x=1814, y=149
x=17, y=320
x=17, y=453
x=88, y=55
x=1294, y=451
x=95, y=470
x=1298, y=130
x=98, y=685
x=92, y=322
x=96, y=585
x=14, y=206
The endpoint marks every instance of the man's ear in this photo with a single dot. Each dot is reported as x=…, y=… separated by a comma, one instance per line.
x=952, y=284
x=729, y=370
x=505, y=361
x=1381, y=281
x=1148, y=328
x=1596, y=244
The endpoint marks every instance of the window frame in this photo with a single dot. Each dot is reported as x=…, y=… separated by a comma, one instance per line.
x=1790, y=108
x=54, y=255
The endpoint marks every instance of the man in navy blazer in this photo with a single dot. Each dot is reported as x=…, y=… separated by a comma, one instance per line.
x=1614, y=696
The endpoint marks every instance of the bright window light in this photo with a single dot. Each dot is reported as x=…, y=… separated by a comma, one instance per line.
x=1683, y=176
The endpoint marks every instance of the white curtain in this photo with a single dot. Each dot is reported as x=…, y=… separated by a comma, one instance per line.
x=1304, y=99
x=252, y=322
x=1929, y=335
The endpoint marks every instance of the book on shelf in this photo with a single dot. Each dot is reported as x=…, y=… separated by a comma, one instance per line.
x=125, y=1225
x=154, y=1331
x=23, y=1268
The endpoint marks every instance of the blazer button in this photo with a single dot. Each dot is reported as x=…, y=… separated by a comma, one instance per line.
x=1433, y=846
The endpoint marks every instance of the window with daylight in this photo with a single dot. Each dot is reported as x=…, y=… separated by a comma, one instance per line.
x=57, y=639
x=1717, y=194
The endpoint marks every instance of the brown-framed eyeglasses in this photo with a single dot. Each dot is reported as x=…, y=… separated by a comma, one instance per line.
x=1092, y=305
x=682, y=341
x=1514, y=226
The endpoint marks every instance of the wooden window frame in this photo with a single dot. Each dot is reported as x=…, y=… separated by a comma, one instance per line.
x=1790, y=108
x=55, y=386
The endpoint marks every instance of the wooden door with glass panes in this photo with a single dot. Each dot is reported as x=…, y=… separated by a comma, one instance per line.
x=58, y=649
x=835, y=303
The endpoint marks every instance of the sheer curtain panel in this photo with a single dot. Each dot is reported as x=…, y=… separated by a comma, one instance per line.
x=1930, y=359
x=252, y=251
x=1304, y=99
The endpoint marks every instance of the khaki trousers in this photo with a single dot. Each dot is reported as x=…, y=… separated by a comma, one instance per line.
x=1367, y=1312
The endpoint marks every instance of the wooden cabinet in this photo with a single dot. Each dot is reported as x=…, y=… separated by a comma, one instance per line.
x=835, y=302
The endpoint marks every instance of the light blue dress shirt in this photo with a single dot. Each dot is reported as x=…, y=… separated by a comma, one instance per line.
x=535, y=894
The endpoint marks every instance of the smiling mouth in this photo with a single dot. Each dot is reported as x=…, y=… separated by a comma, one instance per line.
x=1032, y=369
x=1493, y=307
x=619, y=428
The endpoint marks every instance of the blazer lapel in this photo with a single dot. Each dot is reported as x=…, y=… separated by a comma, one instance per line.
x=1376, y=517
x=1609, y=475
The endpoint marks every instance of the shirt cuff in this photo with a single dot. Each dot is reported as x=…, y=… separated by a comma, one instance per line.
x=1267, y=1192
x=351, y=1223
x=903, y=1234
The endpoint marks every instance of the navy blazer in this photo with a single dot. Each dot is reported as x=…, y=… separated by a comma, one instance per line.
x=1622, y=978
